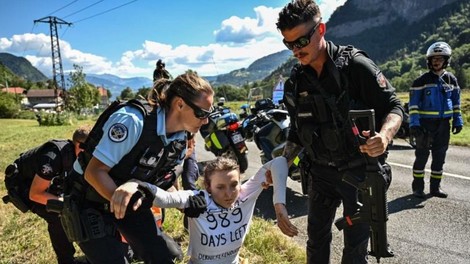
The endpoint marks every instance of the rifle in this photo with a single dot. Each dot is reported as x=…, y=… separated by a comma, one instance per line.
x=374, y=208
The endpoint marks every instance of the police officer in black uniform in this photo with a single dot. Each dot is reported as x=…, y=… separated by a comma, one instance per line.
x=49, y=164
x=330, y=81
x=160, y=72
x=143, y=145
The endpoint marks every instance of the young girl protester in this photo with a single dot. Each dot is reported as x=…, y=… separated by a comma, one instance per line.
x=221, y=214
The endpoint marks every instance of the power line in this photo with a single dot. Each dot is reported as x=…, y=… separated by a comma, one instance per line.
x=63, y=7
x=104, y=12
x=83, y=9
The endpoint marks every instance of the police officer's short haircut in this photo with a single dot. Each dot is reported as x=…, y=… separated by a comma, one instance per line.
x=298, y=12
x=81, y=134
x=219, y=164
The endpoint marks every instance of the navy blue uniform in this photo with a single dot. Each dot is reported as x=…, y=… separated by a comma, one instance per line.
x=434, y=101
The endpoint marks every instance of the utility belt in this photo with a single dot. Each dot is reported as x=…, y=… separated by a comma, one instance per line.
x=80, y=223
x=340, y=166
x=81, y=218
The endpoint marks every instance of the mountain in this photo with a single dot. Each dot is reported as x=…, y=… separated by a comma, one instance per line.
x=116, y=84
x=396, y=35
x=258, y=70
x=382, y=27
x=21, y=67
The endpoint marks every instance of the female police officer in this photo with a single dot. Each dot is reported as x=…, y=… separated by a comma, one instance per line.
x=144, y=146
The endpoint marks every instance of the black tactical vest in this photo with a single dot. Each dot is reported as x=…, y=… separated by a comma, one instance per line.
x=149, y=160
x=322, y=110
x=27, y=164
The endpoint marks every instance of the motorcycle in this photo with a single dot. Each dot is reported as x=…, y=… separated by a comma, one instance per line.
x=223, y=136
x=404, y=130
x=268, y=126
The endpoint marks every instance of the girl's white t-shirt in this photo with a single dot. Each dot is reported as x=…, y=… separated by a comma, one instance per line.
x=217, y=235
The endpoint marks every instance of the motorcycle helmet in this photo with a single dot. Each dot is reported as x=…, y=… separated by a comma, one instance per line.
x=159, y=63
x=439, y=49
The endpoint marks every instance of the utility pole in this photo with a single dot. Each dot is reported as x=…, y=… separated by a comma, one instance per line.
x=57, y=69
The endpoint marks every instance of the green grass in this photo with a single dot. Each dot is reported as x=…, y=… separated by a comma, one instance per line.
x=24, y=237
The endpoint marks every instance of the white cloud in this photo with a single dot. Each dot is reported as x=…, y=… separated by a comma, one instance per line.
x=238, y=42
x=327, y=7
x=242, y=30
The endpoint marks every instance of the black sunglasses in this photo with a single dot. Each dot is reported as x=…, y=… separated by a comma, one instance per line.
x=198, y=111
x=302, y=41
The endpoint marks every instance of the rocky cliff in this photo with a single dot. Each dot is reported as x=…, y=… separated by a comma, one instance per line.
x=365, y=14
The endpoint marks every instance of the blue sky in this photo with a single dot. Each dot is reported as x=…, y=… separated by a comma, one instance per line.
x=127, y=37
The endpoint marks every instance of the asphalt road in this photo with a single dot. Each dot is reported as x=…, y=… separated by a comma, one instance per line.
x=431, y=230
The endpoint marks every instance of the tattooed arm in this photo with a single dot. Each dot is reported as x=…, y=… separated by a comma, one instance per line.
x=377, y=145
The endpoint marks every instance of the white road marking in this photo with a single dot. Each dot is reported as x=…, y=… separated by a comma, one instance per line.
x=427, y=170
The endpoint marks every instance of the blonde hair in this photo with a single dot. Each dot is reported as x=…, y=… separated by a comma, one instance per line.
x=188, y=85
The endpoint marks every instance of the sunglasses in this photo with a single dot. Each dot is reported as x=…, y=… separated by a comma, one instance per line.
x=198, y=111
x=302, y=41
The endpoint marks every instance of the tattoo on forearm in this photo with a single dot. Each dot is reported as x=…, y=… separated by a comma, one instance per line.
x=291, y=150
x=391, y=125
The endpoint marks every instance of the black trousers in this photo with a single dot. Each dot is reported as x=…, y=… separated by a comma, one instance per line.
x=140, y=231
x=434, y=140
x=326, y=192
x=63, y=249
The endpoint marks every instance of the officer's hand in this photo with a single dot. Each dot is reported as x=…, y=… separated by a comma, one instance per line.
x=196, y=205
x=131, y=196
x=374, y=146
x=121, y=198
x=283, y=221
x=456, y=129
x=416, y=131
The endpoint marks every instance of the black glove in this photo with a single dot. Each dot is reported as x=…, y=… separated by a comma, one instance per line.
x=197, y=205
x=147, y=199
x=416, y=131
x=456, y=129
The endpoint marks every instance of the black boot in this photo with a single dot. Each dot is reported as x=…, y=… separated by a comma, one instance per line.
x=418, y=187
x=436, y=189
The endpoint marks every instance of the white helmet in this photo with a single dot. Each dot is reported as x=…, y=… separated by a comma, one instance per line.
x=439, y=49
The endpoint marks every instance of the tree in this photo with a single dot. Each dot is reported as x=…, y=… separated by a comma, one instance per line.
x=81, y=94
x=143, y=92
x=127, y=94
x=8, y=105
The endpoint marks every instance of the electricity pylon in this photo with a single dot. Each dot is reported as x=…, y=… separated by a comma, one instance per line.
x=57, y=70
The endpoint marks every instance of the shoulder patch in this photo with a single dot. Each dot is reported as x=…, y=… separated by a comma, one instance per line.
x=117, y=132
x=46, y=169
x=381, y=80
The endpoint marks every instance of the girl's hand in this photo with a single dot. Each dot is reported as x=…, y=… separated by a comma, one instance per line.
x=283, y=221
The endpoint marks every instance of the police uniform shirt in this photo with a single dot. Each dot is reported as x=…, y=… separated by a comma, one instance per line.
x=49, y=163
x=122, y=131
x=366, y=84
x=217, y=235
x=436, y=97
